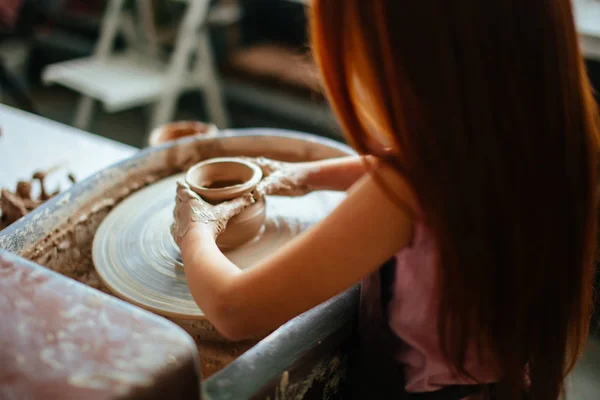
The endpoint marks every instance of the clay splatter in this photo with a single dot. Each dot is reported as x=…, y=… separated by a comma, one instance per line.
x=15, y=205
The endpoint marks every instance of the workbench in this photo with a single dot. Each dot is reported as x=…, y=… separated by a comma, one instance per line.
x=29, y=143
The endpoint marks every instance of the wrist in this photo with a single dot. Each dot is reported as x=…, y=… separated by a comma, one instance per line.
x=309, y=175
x=338, y=173
x=197, y=234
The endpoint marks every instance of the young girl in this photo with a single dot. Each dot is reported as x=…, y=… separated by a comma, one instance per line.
x=478, y=196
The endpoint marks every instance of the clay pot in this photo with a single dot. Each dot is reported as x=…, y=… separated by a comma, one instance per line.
x=180, y=129
x=221, y=179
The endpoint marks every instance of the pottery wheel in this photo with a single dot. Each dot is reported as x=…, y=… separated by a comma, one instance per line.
x=138, y=260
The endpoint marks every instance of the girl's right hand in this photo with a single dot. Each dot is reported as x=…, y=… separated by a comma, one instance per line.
x=281, y=178
x=191, y=212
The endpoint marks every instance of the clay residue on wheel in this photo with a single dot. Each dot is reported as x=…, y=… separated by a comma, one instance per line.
x=215, y=356
x=15, y=205
x=328, y=373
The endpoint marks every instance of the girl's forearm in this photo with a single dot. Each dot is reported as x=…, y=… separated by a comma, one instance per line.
x=213, y=281
x=337, y=174
x=209, y=274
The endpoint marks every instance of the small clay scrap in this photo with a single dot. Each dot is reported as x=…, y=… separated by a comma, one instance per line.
x=14, y=206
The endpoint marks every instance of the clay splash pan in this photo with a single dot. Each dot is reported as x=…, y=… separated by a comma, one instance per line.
x=304, y=353
x=137, y=258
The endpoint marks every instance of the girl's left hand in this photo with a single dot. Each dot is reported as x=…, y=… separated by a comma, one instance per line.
x=191, y=213
x=281, y=178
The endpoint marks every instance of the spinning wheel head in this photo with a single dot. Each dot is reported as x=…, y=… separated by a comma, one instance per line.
x=138, y=260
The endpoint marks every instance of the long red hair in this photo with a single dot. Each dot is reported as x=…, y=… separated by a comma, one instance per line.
x=487, y=106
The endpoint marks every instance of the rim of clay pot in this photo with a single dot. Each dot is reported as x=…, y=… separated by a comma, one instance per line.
x=161, y=135
x=248, y=173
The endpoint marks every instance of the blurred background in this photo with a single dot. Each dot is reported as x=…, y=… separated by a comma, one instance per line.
x=119, y=68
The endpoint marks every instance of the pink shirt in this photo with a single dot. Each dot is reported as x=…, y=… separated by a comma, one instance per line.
x=412, y=315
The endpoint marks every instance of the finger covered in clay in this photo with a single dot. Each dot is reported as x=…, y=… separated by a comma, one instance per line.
x=190, y=208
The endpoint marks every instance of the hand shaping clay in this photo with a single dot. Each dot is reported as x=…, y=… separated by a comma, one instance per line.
x=137, y=258
x=221, y=179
